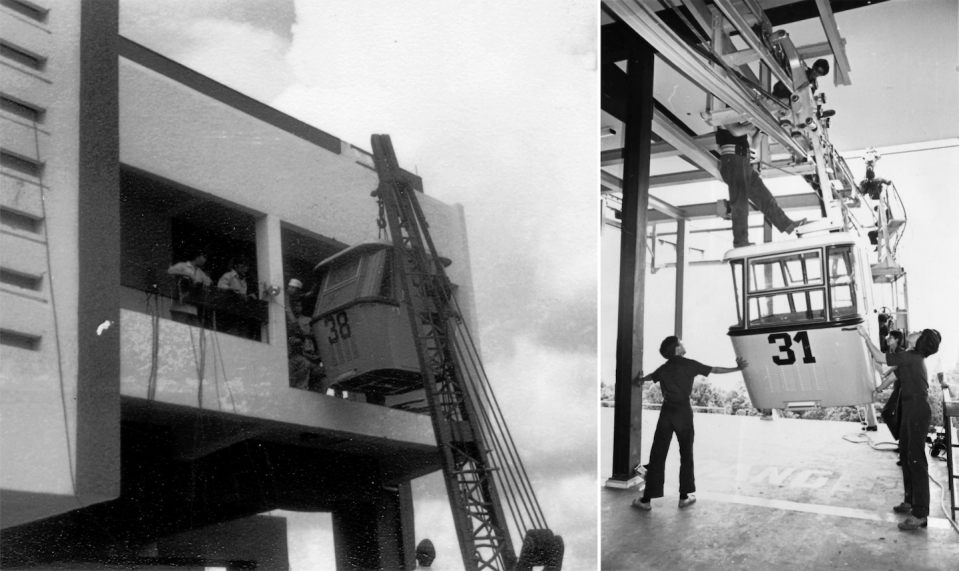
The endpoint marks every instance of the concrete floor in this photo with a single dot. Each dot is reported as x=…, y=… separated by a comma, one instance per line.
x=786, y=494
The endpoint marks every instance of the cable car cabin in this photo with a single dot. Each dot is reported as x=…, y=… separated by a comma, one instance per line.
x=798, y=303
x=362, y=328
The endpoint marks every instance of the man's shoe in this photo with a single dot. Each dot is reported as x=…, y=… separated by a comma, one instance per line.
x=795, y=224
x=871, y=428
x=766, y=417
x=913, y=523
x=639, y=504
x=902, y=508
x=743, y=244
x=688, y=501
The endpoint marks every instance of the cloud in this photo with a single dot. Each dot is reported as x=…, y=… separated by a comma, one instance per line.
x=240, y=45
x=549, y=400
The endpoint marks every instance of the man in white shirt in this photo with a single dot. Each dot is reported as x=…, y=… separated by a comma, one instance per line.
x=191, y=280
x=235, y=279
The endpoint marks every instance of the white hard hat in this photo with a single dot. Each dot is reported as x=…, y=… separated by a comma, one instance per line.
x=295, y=283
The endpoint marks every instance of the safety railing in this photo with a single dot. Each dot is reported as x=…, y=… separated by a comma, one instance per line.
x=950, y=422
x=706, y=409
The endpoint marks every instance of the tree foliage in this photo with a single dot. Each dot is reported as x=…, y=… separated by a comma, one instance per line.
x=736, y=401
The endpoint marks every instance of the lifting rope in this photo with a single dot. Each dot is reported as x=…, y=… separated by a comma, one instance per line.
x=512, y=474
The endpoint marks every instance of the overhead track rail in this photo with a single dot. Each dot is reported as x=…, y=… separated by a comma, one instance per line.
x=699, y=70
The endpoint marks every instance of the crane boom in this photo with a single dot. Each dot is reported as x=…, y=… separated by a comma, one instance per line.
x=478, y=515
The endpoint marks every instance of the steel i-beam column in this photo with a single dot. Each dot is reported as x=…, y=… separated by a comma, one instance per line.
x=680, y=275
x=627, y=424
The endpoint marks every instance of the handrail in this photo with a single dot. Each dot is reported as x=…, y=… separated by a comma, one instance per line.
x=696, y=408
x=950, y=409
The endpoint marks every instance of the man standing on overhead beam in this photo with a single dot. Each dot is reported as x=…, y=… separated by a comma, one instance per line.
x=745, y=184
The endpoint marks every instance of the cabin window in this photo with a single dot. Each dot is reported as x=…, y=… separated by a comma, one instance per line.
x=799, y=269
x=343, y=273
x=386, y=284
x=787, y=307
x=737, y=267
x=842, y=282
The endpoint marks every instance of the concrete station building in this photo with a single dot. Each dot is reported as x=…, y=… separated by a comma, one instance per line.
x=127, y=437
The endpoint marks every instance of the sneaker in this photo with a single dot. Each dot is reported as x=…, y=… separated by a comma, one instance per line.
x=766, y=417
x=871, y=428
x=913, y=523
x=902, y=508
x=795, y=224
x=743, y=245
x=639, y=504
x=688, y=501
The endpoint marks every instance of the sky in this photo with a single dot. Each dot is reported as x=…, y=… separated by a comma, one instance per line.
x=494, y=104
x=904, y=100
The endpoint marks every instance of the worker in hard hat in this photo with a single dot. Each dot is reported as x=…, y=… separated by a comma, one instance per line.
x=675, y=378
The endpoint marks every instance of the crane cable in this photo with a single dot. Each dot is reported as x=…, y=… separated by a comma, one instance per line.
x=511, y=474
x=515, y=482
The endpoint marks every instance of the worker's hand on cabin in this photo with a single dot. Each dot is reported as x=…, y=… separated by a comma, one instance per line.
x=741, y=363
x=638, y=379
x=862, y=332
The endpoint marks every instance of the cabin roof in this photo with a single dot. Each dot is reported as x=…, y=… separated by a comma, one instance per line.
x=793, y=245
x=355, y=249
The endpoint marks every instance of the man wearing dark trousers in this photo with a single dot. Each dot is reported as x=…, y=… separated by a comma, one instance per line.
x=915, y=415
x=746, y=185
x=675, y=378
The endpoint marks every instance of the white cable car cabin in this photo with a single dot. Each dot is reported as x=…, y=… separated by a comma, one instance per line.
x=798, y=303
x=362, y=329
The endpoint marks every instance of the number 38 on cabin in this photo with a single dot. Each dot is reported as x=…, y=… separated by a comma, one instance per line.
x=798, y=303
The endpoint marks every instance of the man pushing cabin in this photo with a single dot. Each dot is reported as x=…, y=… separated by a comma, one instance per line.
x=675, y=378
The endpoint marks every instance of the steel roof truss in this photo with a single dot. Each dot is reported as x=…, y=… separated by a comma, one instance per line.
x=686, y=145
x=737, y=19
x=694, y=66
x=841, y=75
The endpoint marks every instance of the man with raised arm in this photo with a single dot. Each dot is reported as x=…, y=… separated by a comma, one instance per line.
x=675, y=378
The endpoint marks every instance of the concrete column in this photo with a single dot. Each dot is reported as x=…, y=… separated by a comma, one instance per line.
x=627, y=424
x=269, y=268
x=377, y=535
x=98, y=248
